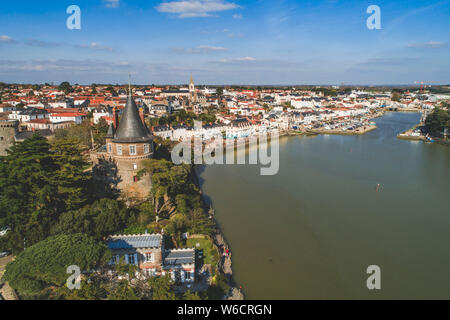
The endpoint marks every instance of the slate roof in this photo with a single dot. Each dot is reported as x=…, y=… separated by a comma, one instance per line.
x=179, y=257
x=20, y=136
x=131, y=129
x=135, y=241
x=32, y=112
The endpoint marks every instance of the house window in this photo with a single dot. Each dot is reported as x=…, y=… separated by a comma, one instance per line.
x=119, y=149
x=146, y=148
x=148, y=257
x=109, y=148
x=134, y=166
x=188, y=275
x=115, y=259
x=132, y=150
x=131, y=259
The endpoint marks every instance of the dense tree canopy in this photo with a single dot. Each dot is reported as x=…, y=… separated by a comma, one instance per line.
x=39, y=181
x=29, y=199
x=437, y=121
x=66, y=87
x=73, y=183
x=100, y=219
x=183, y=117
x=45, y=263
x=175, y=196
x=85, y=134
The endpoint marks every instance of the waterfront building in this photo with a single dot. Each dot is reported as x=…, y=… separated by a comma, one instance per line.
x=147, y=252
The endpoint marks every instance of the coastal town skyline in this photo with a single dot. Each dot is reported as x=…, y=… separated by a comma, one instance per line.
x=226, y=42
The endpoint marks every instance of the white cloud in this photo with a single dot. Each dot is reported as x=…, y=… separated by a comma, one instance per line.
x=200, y=49
x=242, y=59
x=211, y=48
x=111, y=3
x=429, y=44
x=62, y=65
x=195, y=8
x=6, y=39
x=94, y=46
x=237, y=16
x=42, y=43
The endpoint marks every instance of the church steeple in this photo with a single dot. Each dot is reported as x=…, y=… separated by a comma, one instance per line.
x=191, y=85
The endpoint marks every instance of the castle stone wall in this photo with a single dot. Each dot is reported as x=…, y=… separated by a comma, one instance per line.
x=8, y=130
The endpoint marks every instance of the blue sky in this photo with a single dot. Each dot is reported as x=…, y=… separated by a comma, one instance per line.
x=225, y=42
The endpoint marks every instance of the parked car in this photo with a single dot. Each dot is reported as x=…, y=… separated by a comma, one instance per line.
x=4, y=254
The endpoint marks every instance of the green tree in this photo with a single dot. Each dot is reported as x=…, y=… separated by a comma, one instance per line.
x=162, y=288
x=99, y=219
x=29, y=200
x=90, y=289
x=44, y=264
x=219, y=287
x=81, y=133
x=99, y=132
x=66, y=87
x=188, y=295
x=73, y=181
x=437, y=121
x=123, y=291
x=396, y=96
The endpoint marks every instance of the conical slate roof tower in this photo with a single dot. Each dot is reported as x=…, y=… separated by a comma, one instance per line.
x=110, y=133
x=131, y=129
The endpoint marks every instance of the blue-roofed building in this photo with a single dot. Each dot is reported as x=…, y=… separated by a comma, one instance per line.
x=135, y=241
x=147, y=252
x=180, y=264
x=142, y=250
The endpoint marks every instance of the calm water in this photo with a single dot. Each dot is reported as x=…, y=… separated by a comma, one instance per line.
x=310, y=231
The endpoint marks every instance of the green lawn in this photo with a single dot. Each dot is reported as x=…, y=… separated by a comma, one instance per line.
x=210, y=255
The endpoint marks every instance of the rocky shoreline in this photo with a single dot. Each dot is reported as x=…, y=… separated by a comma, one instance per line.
x=225, y=263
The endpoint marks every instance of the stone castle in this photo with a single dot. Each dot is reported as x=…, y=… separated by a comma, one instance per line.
x=128, y=143
x=8, y=131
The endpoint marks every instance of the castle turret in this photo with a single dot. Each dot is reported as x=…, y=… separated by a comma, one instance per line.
x=129, y=145
x=8, y=130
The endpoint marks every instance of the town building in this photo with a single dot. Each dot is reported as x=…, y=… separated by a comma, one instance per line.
x=147, y=252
